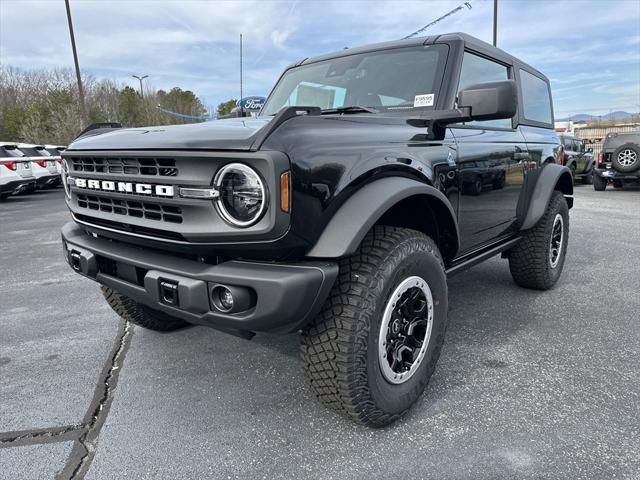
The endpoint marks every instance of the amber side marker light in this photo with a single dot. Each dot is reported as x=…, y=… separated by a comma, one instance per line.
x=285, y=187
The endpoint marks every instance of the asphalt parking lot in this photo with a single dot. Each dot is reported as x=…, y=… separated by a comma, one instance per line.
x=530, y=384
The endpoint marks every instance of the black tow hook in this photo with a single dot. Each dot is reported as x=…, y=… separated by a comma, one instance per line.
x=169, y=293
x=75, y=261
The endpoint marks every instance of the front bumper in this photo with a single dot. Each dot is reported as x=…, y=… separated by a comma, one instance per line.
x=282, y=297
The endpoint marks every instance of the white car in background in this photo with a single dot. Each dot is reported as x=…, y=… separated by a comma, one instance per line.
x=43, y=164
x=16, y=174
x=56, y=151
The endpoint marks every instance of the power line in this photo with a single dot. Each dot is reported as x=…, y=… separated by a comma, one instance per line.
x=458, y=8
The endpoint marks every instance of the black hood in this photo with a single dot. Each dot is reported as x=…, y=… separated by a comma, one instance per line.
x=228, y=134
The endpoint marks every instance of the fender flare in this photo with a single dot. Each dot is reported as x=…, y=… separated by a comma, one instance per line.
x=349, y=225
x=548, y=177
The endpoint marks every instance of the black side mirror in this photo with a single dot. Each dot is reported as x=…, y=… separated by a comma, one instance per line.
x=484, y=101
x=490, y=100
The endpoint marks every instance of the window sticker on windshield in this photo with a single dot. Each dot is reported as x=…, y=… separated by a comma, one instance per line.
x=423, y=100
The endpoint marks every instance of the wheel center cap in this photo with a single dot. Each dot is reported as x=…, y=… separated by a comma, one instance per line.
x=395, y=326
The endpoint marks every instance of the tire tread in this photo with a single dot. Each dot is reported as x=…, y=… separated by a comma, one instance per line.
x=333, y=348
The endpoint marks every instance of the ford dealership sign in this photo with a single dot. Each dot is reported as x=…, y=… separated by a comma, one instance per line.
x=252, y=104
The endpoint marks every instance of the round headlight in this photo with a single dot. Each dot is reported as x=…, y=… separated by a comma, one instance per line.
x=241, y=194
x=64, y=173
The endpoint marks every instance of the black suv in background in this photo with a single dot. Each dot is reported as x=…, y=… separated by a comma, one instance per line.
x=619, y=161
x=339, y=212
x=577, y=158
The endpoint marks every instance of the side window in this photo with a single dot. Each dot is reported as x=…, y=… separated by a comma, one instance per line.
x=476, y=69
x=536, y=99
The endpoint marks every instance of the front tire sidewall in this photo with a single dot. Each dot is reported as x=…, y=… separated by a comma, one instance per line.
x=555, y=272
x=396, y=398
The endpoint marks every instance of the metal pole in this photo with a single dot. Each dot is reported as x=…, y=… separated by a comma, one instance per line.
x=75, y=61
x=241, y=104
x=495, y=23
x=140, y=80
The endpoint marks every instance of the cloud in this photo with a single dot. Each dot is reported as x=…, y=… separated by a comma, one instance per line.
x=589, y=48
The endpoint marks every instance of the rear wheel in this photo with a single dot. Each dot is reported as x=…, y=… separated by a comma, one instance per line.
x=4, y=196
x=140, y=314
x=599, y=183
x=626, y=158
x=373, y=348
x=618, y=184
x=587, y=179
x=537, y=260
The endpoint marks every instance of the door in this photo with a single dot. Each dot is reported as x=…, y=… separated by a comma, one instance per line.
x=491, y=160
x=581, y=157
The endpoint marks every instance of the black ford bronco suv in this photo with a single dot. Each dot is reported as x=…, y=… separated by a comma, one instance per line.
x=339, y=211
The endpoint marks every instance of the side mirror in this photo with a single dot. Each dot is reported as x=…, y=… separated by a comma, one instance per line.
x=490, y=100
x=484, y=101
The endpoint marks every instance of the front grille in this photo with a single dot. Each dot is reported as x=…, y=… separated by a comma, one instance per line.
x=162, y=167
x=132, y=208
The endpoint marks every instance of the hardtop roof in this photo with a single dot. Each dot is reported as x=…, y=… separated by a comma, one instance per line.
x=470, y=41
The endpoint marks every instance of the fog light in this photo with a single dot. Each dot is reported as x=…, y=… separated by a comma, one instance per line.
x=226, y=298
x=231, y=298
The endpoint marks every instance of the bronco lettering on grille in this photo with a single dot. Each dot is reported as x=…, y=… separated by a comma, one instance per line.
x=125, y=187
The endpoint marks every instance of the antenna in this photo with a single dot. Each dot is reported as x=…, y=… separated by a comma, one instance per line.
x=241, y=104
x=451, y=12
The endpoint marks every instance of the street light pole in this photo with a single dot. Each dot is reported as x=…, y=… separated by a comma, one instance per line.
x=495, y=23
x=75, y=61
x=140, y=80
x=241, y=103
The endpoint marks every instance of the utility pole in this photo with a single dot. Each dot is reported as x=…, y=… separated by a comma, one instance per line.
x=495, y=23
x=241, y=104
x=75, y=61
x=140, y=80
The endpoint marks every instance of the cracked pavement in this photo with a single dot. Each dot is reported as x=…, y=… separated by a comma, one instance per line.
x=529, y=385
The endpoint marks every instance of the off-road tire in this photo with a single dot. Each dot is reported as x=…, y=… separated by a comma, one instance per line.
x=618, y=184
x=615, y=161
x=599, y=183
x=587, y=179
x=529, y=260
x=339, y=349
x=4, y=196
x=140, y=314
x=572, y=168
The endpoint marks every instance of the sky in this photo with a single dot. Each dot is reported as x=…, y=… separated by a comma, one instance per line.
x=590, y=49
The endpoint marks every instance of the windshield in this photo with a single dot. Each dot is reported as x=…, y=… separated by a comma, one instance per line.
x=396, y=79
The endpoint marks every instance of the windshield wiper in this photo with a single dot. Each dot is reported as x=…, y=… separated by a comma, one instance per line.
x=350, y=109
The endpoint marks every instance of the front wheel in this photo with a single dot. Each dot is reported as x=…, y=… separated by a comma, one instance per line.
x=373, y=348
x=537, y=260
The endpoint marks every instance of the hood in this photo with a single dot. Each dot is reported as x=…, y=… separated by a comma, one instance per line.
x=227, y=134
